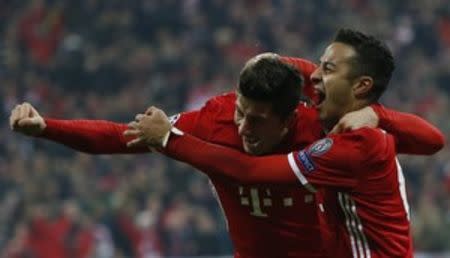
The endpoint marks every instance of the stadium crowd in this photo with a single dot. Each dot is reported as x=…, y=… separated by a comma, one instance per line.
x=111, y=59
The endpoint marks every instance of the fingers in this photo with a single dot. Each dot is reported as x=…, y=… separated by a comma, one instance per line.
x=133, y=130
x=135, y=142
x=341, y=127
x=151, y=116
x=136, y=134
x=20, y=112
x=27, y=122
x=16, y=115
x=138, y=117
x=132, y=133
x=133, y=125
x=24, y=110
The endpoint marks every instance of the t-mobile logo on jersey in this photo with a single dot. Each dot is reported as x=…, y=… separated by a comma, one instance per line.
x=263, y=198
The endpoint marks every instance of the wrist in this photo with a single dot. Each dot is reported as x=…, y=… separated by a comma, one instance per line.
x=166, y=137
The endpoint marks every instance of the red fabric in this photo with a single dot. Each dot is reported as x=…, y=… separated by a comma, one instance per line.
x=369, y=174
x=256, y=228
x=92, y=136
x=103, y=137
x=363, y=164
x=413, y=134
x=306, y=68
x=290, y=225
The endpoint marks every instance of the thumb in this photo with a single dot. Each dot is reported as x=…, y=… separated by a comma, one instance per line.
x=29, y=121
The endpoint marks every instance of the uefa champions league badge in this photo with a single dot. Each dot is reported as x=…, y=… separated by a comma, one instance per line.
x=173, y=119
x=320, y=147
x=306, y=161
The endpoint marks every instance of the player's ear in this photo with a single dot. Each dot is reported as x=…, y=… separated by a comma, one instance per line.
x=362, y=86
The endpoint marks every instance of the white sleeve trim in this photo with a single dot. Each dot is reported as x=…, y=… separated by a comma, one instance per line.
x=166, y=137
x=299, y=174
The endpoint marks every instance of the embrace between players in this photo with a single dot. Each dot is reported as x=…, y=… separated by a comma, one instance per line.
x=293, y=180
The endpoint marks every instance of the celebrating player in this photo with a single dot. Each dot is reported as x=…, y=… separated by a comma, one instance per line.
x=365, y=195
x=266, y=220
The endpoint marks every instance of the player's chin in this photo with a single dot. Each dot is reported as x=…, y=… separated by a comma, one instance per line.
x=252, y=149
x=328, y=119
x=324, y=113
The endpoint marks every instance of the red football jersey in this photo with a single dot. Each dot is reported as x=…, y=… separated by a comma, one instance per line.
x=362, y=185
x=306, y=68
x=366, y=187
x=215, y=123
x=264, y=220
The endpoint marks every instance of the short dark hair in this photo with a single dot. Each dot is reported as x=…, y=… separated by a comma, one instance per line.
x=267, y=78
x=373, y=59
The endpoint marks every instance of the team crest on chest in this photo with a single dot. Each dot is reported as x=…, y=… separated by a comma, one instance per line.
x=320, y=147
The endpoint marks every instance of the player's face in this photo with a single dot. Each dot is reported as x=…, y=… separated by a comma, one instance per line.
x=260, y=128
x=333, y=83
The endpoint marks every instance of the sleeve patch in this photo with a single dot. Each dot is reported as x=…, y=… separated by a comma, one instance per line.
x=306, y=161
x=320, y=147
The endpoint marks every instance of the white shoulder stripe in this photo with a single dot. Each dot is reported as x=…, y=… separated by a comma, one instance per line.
x=299, y=174
x=296, y=169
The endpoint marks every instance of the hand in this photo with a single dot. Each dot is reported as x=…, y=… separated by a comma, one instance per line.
x=364, y=117
x=151, y=128
x=25, y=119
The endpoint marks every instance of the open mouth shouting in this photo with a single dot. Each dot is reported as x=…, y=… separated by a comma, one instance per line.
x=320, y=93
x=251, y=141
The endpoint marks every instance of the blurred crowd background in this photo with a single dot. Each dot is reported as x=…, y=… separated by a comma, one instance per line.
x=112, y=59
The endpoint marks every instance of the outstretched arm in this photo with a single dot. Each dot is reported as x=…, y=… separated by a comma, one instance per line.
x=90, y=136
x=105, y=137
x=216, y=160
x=154, y=129
x=413, y=134
x=324, y=162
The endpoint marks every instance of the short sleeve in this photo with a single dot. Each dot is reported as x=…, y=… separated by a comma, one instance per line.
x=201, y=123
x=340, y=160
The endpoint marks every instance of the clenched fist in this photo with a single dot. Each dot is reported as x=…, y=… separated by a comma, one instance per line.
x=25, y=119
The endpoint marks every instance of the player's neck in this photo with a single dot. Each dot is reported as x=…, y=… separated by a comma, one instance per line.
x=359, y=104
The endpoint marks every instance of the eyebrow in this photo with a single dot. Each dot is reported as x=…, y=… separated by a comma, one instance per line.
x=258, y=116
x=327, y=63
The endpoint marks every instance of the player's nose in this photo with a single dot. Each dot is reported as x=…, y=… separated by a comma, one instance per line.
x=244, y=127
x=316, y=76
